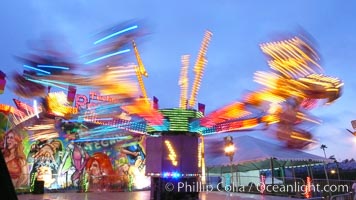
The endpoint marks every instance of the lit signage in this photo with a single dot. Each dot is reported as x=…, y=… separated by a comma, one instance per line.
x=82, y=101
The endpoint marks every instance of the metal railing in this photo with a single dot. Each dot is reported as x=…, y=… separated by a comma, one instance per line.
x=281, y=186
x=289, y=186
x=333, y=187
x=346, y=196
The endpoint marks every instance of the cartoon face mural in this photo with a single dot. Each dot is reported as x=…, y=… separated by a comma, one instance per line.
x=15, y=158
x=100, y=171
x=131, y=164
x=44, y=157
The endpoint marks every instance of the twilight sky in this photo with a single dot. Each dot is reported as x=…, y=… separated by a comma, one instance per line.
x=177, y=28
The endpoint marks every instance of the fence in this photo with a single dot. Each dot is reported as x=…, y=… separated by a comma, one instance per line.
x=346, y=196
x=281, y=186
x=334, y=188
x=286, y=186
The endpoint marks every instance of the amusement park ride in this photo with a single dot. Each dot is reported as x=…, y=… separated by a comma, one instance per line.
x=294, y=85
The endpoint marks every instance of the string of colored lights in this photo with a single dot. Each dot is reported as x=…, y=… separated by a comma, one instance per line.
x=140, y=70
x=199, y=68
x=291, y=57
x=184, y=82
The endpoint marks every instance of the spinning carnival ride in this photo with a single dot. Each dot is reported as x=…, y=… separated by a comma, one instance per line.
x=294, y=85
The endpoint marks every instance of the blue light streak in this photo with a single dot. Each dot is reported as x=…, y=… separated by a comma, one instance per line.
x=57, y=82
x=53, y=67
x=45, y=83
x=116, y=33
x=36, y=69
x=101, y=139
x=107, y=56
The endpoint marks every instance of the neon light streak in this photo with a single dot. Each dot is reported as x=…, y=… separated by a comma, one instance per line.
x=35, y=108
x=116, y=33
x=262, y=184
x=107, y=56
x=172, y=154
x=45, y=83
x=134, y=127
x=100, y=129
x=302, y=138
x=202, y=162
x=53, y=67
x=308, y=188
x=57, y=82
x=101, y=139
x=103, y=131
x=36, y=69
x=183, y=82
x=40, y=127
x=199, y=68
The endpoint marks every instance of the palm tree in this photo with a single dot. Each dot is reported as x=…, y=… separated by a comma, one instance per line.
x=323, y=147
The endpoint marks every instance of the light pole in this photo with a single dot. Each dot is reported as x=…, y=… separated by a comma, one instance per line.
x=229, y=151
x=323, y=147
x=337, y=166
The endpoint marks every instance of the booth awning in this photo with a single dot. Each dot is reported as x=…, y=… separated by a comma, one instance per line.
x=255, y=154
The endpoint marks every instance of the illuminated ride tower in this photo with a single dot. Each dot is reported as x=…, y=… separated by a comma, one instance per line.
x=175, y=157
x=174, y=160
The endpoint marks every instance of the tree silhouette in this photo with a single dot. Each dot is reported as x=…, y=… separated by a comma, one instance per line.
x=323, y=147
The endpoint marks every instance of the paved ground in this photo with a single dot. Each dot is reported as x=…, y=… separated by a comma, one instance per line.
x=141, y=195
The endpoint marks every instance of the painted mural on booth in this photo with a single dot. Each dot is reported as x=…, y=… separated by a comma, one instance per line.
x=13, y=151
x=86, y=166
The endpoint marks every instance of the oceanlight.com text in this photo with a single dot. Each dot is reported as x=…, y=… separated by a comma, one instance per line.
x=234, y=187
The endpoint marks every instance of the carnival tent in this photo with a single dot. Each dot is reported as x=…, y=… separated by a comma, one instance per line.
x=254, y=154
